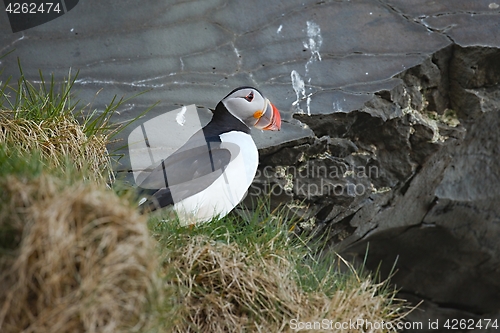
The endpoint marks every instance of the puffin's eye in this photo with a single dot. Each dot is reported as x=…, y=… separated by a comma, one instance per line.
x=249, y=97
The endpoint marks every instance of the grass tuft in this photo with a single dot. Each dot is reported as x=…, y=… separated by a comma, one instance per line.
x=243, y=275
x=46, y=119
x=73, y=256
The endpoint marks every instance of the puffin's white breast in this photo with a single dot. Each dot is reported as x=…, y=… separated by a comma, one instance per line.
x=227, y=190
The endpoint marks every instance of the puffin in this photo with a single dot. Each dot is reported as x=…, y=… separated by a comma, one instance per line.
x=211, y=173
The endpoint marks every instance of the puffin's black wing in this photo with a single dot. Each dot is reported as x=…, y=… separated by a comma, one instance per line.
x=189, y=170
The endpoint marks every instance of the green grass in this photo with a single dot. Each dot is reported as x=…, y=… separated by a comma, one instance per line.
x=259, y=248
x=264, y=230
x=50, y=100
x=47, y=118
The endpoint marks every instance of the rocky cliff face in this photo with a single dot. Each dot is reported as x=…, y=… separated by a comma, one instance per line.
x=413, y=174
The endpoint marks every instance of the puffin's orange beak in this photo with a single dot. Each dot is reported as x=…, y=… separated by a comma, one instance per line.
x=270, y=120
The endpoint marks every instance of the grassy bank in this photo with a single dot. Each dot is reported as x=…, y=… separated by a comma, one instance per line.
x=75, y=256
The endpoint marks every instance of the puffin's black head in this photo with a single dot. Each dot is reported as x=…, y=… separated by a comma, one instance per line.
x=252, y=108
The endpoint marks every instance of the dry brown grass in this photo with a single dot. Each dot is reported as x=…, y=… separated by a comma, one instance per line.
x=58, y=139
x=217, y=287
x=78, y=258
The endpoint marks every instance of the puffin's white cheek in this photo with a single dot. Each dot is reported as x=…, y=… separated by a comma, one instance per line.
x=236, y=106
x=242, y=110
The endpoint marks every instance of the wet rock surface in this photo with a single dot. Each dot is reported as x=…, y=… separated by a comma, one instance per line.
x=390, y=108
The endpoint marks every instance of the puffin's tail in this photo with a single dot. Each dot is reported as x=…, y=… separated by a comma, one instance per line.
x=151, y=200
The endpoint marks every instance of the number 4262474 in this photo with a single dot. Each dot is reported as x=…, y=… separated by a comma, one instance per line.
x=462, y=324
x=32, y=8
